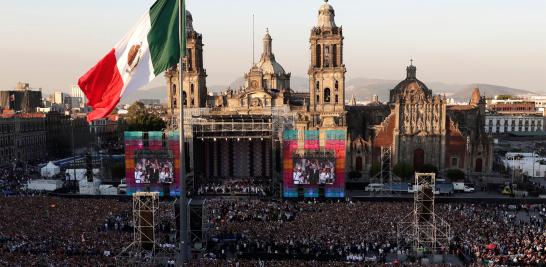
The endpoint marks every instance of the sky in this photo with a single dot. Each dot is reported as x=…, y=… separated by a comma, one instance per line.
x=50, y=44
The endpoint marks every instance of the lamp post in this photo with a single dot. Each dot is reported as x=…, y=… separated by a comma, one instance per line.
x=73, y=151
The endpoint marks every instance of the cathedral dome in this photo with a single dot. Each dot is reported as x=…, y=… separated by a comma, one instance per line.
x=411, y=83
x=267, y=62
x=326, y=16
x=270, y=67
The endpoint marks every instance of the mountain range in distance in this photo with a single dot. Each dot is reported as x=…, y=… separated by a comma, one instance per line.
x=362, y=88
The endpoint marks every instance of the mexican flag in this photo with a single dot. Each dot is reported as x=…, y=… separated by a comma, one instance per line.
x=151, y=47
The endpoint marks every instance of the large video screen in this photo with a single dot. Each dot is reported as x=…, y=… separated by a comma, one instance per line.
x=314, y=169
x=153, y=167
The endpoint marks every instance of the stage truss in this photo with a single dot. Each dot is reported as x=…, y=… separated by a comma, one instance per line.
x=422, y=231
x=211, y=123
x=145, y=250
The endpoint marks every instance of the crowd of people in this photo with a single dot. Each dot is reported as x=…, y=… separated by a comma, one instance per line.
x=53, y=231
x=14, y=179
x=367, y=232
x=235, y=187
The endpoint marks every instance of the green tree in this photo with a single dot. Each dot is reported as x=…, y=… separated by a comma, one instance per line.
x=375, y=169
x=403, y=170
x=139, y=119
x=455, y=174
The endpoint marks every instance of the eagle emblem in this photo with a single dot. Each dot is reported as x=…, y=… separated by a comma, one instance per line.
x=133, y=58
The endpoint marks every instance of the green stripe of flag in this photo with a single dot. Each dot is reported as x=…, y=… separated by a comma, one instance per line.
x=163, y=37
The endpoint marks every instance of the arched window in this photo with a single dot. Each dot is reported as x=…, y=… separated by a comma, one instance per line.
x=191, y=88
x=318, y=56
x=337, y=85
x=334, y=56
x=317, y=86
x=337, y=99
x=318, y=99
x=185, y=101
x=327, y=95
x=174, y=89
x=190, y=60
x=327, y=56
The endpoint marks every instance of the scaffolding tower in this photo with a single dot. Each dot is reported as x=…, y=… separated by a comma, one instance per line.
x=386, y=164
x=146, y=250
x=422, y=231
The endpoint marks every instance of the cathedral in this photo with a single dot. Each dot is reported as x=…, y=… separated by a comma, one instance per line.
x=233, y=132
x=417, y=128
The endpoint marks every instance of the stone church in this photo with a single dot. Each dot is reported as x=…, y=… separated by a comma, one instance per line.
x=418, y=127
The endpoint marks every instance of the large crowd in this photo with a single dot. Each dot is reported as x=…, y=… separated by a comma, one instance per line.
x=366, y=232
x=14, y=178
x=52, y=231
x=235, y=187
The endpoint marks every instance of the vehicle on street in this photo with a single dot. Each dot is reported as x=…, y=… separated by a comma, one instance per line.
x=374, y=188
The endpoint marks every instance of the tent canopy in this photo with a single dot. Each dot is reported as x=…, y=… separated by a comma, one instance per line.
x=50, y=170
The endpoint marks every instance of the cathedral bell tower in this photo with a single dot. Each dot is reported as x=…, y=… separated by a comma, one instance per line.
x=327, y=70
x=195, y=76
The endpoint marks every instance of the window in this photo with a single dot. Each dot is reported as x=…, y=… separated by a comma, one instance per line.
x=318, y=99
x=318, y=56
x=337, y=85
x=326, y=56
x=317, y=86
x=174, y=89
x=185, y=101
x=334, y=57
x=327, y=95
x=190, y=60
x=191, y=88
x=337, y=100
x=454, y=162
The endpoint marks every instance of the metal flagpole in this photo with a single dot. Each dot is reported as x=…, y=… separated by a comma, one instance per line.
x=183, y=256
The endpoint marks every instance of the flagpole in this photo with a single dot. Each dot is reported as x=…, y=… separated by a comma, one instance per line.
x=183, y=254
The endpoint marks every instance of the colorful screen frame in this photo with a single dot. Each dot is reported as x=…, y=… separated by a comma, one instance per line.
x=334, y=141
x=159, y=142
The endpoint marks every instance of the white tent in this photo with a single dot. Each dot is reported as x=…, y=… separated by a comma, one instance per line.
x=50, y=170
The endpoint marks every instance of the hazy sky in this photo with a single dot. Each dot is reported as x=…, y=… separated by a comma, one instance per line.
x=51, y=43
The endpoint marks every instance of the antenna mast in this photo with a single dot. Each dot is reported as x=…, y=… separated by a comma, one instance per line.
x=253, y=39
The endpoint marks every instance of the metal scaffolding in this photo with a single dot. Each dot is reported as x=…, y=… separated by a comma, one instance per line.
x=145, y=248
x=386, y=164
x=422, y=230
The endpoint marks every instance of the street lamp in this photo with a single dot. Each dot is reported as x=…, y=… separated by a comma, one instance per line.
x=73, y=151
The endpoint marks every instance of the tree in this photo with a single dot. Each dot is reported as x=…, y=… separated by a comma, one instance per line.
x=403, y=170
x=139, y=119
x=375, y=169
x=427, y=168
x=455, y=174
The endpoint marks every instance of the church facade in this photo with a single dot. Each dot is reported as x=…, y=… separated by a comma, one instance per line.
x=416, y=126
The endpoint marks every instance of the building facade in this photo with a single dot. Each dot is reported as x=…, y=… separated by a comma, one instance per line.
x=194, y=84
x=24, y=137
x=226, y=134
x=496, y=123
x=416, y=128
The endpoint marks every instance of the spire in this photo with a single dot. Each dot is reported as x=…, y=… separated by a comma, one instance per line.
x=326, y=16
x=476, y=97
x=268, y=46
x=352, y=102
x=189, y=22
x=411, y=70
